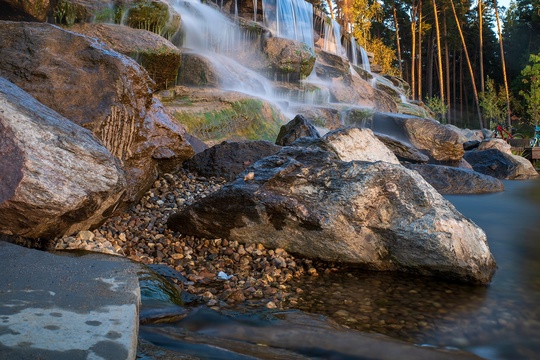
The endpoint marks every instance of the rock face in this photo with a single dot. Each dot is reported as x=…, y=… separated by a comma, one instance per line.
x=55, y=177
x=31, y=10
x=452, y=180
x=498, y=144
x=228, y=159
x=403, y=151
x=289, y=57
x=159, y=57
x=98, y=89
x=377, y=215
x=434, y=139
x=359, y=144
x=500, y=165
x=295, y=129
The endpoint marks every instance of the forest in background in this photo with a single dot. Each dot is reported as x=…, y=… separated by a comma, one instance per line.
x=449, y=52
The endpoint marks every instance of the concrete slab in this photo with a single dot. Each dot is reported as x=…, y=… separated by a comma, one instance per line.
x=65, y=307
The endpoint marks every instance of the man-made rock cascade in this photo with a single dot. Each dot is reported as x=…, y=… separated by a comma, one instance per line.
x=99, y=89
x=55, y=177
x=378, y=215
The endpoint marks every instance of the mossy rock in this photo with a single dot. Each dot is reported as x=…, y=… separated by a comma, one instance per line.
x=153, y=15
x=213, y=115
x=159, y=57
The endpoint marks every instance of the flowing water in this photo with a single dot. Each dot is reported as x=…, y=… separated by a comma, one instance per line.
x=499, y=321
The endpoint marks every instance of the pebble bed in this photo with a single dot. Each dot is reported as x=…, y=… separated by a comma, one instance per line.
x=219, y=271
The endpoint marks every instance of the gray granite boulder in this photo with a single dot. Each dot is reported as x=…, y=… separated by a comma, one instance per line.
x=380, y=216
x=55, y=177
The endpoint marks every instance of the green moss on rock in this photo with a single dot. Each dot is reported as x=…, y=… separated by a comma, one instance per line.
x=247, y=119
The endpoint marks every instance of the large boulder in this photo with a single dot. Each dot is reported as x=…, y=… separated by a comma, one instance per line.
x=500, y=165
x=453, y=180
x=289, y=59
x=229, y=159
x=435, y=140
x=403, y=151
x=159, y=57
x=379, y=215
x=358, y=144
x=295, y=129
x=56, y=178
x=492, y=143
x=99, y=89
x=216, y=115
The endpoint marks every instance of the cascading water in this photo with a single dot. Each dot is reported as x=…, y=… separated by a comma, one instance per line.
x=365, y=60
x=211, y=34
x=291, y=19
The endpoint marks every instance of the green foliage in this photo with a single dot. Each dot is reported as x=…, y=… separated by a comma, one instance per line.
x=493, y=104
x=437, y=105
x=531, y=77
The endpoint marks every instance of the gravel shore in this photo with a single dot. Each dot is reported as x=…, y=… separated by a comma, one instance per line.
x=220, y=271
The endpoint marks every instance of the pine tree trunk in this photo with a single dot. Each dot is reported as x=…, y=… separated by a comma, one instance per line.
x=469, y=64
x=420, y=97
x=447, y=72
x=439, y=51
x=480, y=24
x=413, y=55
x=397, y=40
x=508, y=111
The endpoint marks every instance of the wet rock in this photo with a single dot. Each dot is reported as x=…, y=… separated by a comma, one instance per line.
x=298, y=127
x=403, y=151
x=229, y=159
x=500, y=165
x=377, y=215
x=429, y=136
x=291, y=59
x=452, y=180
x=157, y=16
x=55, y=177
x=159, y=57
x=99, y=89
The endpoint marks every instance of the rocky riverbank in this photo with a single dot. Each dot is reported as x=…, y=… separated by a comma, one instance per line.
x=219, y=271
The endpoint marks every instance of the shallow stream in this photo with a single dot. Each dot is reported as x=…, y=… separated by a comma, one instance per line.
x=499, y=321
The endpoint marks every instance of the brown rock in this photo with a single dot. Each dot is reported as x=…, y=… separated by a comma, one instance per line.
x=159, y=57
x=99, y=89
x=56, y=178
x=28, y=10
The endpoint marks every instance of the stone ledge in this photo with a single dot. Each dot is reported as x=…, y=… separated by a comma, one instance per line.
x=66, y=307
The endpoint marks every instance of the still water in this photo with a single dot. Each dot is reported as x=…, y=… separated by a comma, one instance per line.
x=499, y=321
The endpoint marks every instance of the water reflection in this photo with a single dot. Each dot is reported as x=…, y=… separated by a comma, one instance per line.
x=500, y=321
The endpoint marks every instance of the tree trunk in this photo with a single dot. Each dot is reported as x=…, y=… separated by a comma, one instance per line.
x=397, y=40
x=508, y=112
x=469, y=64
x=420, y=50
x=413, y=50
x=439, y=51
x=447, y=72
x=429, y=70
x=481, y=53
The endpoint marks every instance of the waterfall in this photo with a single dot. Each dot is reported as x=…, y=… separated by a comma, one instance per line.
x=365, y=59
x=291, y=19
x=254, y=10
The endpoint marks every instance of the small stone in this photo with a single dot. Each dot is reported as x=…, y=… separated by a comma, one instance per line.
x=85, y=235
x=271, y=305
